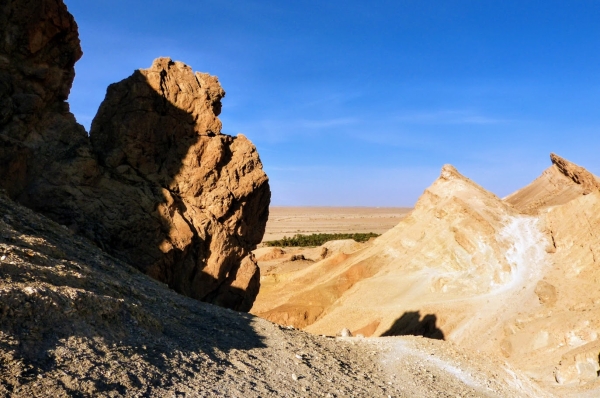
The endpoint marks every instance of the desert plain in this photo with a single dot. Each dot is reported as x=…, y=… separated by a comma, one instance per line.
x=291, y=220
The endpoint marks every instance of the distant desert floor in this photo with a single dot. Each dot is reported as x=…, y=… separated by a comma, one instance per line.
x=289, y=221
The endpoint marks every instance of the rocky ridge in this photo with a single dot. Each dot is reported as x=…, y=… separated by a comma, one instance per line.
x=558, y=184
x=155, y=184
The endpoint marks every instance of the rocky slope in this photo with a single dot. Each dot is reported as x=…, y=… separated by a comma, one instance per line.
x=75, y=321
x=155, y=184
x=514, y=278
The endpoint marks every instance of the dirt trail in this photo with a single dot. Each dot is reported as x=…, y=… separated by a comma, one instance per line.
x=446, y=364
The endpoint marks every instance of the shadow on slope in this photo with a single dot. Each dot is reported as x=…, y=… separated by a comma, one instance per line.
x=72, y=312
x=411, y=324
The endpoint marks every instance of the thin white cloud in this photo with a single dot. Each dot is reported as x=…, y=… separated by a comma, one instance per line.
x=281, y=130
x=447, y=117
x=324, y=123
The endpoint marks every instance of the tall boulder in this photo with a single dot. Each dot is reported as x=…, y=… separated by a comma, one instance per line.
x=156, y=183
x=159, y=129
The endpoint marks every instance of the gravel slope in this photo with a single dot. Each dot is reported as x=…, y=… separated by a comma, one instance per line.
x=76, y=322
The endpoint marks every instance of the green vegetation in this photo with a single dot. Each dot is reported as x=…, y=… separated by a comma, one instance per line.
x=318, y=239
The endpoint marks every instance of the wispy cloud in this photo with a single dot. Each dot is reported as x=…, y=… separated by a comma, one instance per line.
x=324, y=123
x=280, y=130
x=447, y=117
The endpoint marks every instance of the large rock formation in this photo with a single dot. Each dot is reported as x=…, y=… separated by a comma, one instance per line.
x=155, y=184
x=38, y=51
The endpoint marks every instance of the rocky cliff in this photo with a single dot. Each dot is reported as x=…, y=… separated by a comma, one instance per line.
x=155, y=183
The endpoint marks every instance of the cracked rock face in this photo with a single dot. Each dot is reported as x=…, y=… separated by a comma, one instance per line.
x=155, y=184
x=38, y=51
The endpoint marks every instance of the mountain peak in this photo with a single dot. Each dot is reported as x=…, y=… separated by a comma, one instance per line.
x=449, y=172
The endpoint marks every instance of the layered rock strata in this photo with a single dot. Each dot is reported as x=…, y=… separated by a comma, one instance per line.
x=155, y=184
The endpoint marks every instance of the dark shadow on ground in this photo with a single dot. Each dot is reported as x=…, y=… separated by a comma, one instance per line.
x=62, y=297
x=411, y=324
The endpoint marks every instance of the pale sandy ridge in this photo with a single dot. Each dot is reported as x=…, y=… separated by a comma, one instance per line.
x=515, y=279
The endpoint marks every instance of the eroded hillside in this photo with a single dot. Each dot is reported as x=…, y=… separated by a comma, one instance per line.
x=515, y=278
x=75, y=321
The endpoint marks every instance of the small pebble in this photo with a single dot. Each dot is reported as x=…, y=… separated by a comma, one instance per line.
x=294, y=377
x=3, y=258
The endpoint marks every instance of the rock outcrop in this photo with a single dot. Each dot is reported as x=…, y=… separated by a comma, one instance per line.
x=155, y=184
x=560, y=183
x=578, y=174
x=38, y=51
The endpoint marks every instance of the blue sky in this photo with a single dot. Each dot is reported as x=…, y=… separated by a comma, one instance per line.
x=362, y=102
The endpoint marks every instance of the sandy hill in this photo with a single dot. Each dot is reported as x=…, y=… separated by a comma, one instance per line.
x=514, y=278
x=75, y=321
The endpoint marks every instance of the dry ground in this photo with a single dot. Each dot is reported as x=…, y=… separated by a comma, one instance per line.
x=75, y=322
x=288, y=221
x=515, y=279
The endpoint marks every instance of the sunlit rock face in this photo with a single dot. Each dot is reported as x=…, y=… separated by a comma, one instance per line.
x=155, y=183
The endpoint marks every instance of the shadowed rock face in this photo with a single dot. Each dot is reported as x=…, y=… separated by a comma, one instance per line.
x=38, y=49
x=155, y=184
